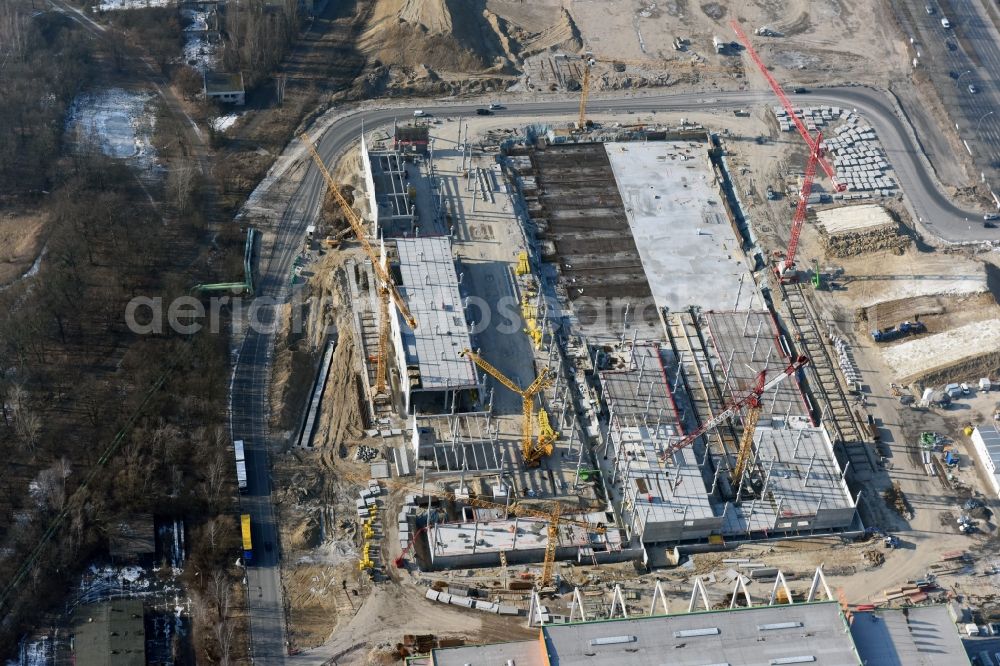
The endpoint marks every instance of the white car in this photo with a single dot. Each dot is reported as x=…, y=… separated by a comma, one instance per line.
x=418, y=113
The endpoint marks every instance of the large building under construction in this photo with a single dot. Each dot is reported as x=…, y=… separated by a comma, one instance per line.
x=640, y=284
x=655, y=266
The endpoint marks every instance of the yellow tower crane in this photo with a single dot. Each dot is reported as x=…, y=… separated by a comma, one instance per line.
x=751, y=400
x=386, y=287
x=531, y=449
x=549, y=511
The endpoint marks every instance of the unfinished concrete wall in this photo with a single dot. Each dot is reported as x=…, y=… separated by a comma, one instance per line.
x=678, y=530
x=366, y=163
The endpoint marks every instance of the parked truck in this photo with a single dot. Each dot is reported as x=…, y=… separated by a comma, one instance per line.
x=241, y=465
x=896, y=332
x=245, y=534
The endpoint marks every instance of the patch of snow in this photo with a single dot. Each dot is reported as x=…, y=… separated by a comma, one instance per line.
x=120, y=122
x=200, y=51
x=222, y=123
x=198, y=19
x=102, y=580
x=36, y=264
x=34, y=653
x=116, y=5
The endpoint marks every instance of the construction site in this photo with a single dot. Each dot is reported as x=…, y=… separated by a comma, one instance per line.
x=584, y=366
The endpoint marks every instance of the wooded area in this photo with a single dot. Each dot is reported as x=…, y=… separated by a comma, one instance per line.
x=72, y=374
x=44, y=62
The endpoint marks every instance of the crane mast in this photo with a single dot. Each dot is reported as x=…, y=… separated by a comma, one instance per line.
x=751, y=400
x=386, y=287
x=798, y=221
x=551, y=512
x=532, y=451
x=588, y=62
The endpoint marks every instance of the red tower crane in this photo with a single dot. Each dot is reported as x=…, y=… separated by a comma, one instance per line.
x=814, y=144
x=752, y=401
x=799, y=219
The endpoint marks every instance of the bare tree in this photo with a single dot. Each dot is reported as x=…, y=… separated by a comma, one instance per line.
x=224, y=632
x=27, y=424
x=49, y=487
x=181, y=187
x=221, y=588
x=218, y=472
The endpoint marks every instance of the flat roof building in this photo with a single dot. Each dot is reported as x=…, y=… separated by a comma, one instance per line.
x=799, y=486
x=660, y=502
x=673, y=202
x=390, y=193
x=804, y=633
x=132, y=538
x=986, y=440
x=110, y=634
x=434, y=378
x=918, y=636
x=478, y=542
x=225, y=87
x=813, y=633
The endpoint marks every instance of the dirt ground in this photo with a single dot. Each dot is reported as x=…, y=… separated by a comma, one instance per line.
x=845, y=40
x=430, y=43
x=321, y=575
x=21, y=239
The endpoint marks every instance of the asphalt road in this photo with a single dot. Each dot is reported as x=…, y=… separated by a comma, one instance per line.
x=251, y=377
x=935, y=210
x=249, y=415
x=969, y=52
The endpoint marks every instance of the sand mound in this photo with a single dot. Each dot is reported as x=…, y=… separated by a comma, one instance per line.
x=563, y=35
x=433, y=15
x=458, y=36
x=448, y=35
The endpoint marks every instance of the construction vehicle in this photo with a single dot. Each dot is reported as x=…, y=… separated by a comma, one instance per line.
x=531, y=449
x=751, y=401
x=896, y=332
x=549, y=511
x=386, y=287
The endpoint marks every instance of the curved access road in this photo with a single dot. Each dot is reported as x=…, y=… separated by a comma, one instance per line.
x=932, y=207
x=252, y=373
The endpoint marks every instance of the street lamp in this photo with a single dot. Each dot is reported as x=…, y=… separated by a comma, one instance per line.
x=980, y=121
